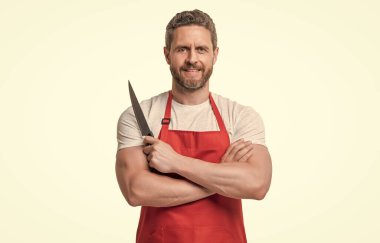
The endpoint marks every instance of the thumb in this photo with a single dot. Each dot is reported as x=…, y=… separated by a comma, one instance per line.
x=149, y=140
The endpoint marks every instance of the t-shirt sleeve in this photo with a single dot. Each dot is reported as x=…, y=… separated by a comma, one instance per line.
x=128, y=132
x=249, y=126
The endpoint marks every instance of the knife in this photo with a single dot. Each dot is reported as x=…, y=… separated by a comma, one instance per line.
x=144, y=128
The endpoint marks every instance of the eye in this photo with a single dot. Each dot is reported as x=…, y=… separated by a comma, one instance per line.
x=181, y=49
x=201, y=50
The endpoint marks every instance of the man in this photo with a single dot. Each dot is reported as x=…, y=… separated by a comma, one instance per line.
x=190, y=179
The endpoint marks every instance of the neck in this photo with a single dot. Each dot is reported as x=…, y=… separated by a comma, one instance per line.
x=189, y=97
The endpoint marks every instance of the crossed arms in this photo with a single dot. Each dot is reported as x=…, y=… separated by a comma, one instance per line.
x=244, y=172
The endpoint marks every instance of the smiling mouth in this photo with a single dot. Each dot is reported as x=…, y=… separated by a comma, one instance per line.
x=192, y=69
x=192, y=72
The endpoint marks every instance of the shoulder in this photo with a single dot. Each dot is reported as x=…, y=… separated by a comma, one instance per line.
x=241, y=121
x=232, y=108
x=158, y=100
x=128, y=132
x=146, y=106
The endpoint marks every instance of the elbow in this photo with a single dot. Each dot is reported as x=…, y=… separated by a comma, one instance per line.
x=133, y=198
x=132, y=201
x=260, y=195
x=259, y=190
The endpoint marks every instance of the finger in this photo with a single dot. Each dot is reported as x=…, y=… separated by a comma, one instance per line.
x=147, y=149
x=227, y=154
x=247, y=156
x=237, y=148
x=242, y=152
x=149, y=158
x=149, y=140
x=223, y=158
x=234, y=147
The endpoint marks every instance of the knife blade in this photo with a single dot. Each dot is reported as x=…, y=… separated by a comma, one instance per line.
x=144, y=128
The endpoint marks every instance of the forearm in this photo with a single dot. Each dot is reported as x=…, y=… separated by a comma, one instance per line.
x=151, y=189
x=248, y=176
x=236, y=180
x=141, y=187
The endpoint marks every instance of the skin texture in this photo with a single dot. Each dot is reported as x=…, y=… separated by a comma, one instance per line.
x=191, y=45
x=244, y=178
x=141, y=187
x=245, y=169
x=191, y=58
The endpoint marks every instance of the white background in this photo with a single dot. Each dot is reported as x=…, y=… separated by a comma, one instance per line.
x=310, y=68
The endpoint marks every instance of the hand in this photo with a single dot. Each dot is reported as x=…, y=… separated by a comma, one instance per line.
x=238, y=151
x=160, y=155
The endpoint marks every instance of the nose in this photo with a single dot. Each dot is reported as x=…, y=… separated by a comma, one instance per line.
x=192, y=57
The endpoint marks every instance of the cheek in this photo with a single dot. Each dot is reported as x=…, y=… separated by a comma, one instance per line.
x=176, y=63
x=207, y=60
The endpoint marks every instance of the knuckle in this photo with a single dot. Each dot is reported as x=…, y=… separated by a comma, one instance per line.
x=234, y=150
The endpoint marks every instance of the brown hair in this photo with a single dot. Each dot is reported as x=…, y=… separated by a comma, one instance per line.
x=195, y=17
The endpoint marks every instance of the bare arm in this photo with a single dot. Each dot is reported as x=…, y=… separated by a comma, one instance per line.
x=247, y=179
x=141, y=187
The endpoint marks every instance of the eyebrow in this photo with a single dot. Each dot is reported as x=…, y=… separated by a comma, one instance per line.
x=202, y=46
x=196, y=47
x=181, y=46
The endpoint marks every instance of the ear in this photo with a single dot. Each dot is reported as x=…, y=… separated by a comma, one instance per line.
x=166, y=53
x=216, y=52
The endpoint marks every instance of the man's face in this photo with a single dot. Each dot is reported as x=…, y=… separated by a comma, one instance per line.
x=191, y=57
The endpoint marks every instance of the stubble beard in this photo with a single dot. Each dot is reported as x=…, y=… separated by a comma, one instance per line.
x=191, y=85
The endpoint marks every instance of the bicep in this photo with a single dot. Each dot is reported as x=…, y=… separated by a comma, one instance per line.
x=131, y=160
x=130, y=163
x=141, y=187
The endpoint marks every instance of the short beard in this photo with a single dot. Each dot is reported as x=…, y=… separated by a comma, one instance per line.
x=190, y=84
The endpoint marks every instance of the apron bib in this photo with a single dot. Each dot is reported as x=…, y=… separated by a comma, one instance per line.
x=214, y=219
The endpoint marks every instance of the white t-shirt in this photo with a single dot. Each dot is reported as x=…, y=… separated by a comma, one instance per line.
x=240, y=121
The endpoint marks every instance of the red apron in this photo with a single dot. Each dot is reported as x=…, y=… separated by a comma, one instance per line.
x=215, y=219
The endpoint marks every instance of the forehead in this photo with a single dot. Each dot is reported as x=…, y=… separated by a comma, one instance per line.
x=192, y=34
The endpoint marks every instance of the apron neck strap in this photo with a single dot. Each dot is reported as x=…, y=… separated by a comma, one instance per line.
x=218, y=117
